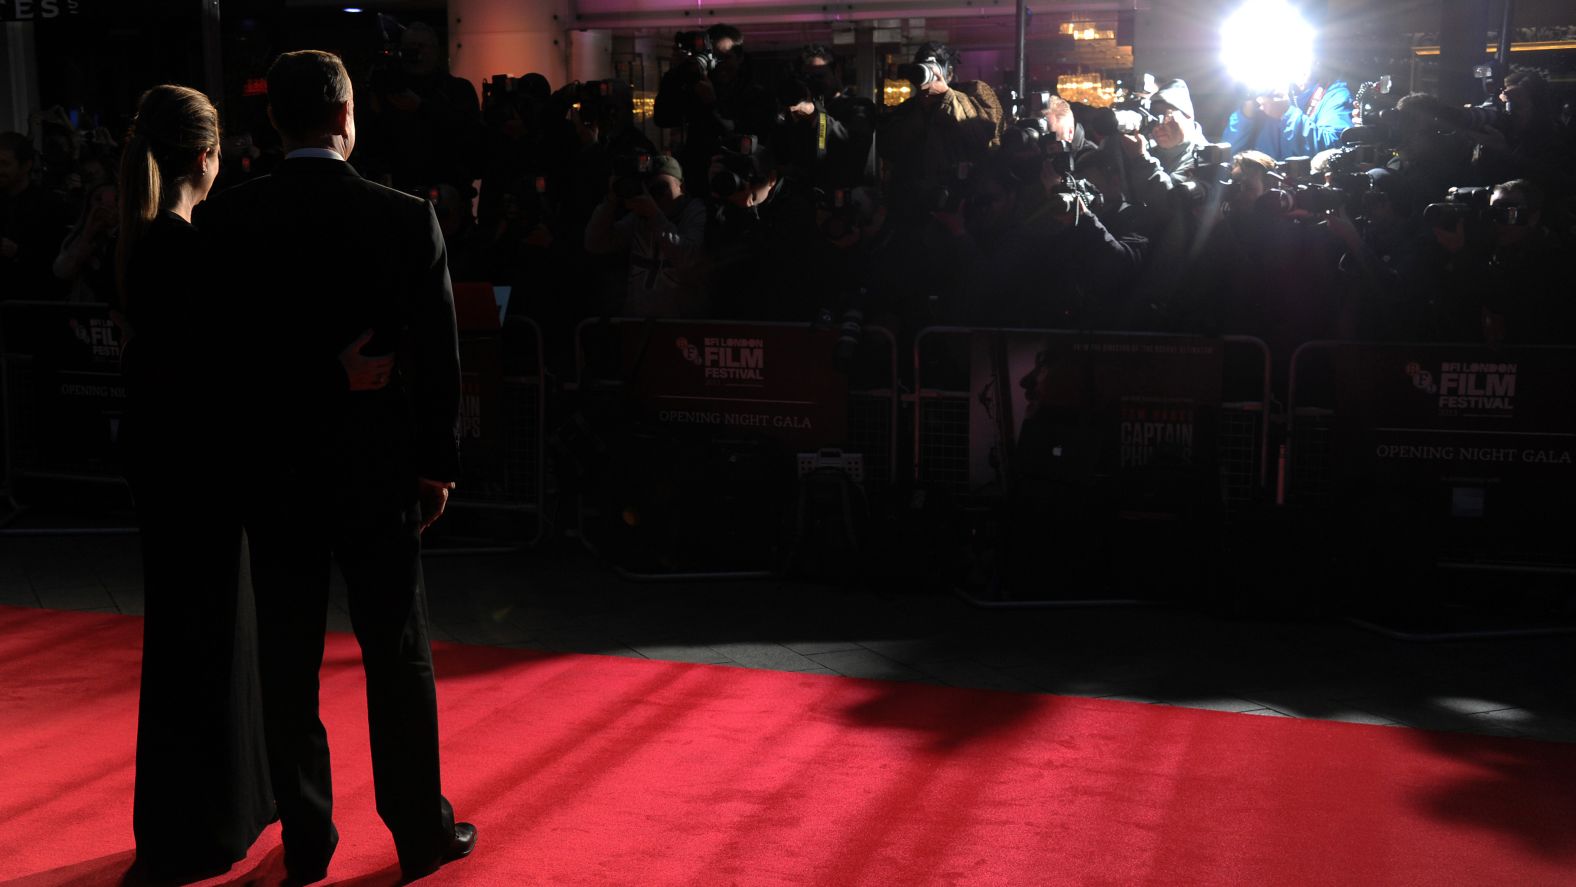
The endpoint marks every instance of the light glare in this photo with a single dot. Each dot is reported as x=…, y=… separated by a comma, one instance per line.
x=1267, y=45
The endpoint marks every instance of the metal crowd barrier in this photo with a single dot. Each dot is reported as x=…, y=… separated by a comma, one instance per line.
x=63, y=395
x=945, y=452
x=625, y=365
x=503, y=456
x=1450, y=454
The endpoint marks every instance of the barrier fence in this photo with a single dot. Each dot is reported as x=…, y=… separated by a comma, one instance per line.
x=63, y=396
x=499, y=503
x=694, y=438
x=712, y=448
x=1064, y=433
x=1470, y=446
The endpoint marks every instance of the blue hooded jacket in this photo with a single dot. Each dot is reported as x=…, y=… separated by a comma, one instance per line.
x=1328, y=118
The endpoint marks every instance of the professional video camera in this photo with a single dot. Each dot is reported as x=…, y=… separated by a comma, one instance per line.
x=696, y=47
x=1135, y=117
x=1133, y=112
x=1462, y=205
x=1212, y=168
x=1363, y=147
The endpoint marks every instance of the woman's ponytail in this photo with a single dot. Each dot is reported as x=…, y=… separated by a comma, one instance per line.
x=141, y=188
x=174, y=124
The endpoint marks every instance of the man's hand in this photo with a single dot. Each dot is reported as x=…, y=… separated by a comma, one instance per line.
x=802, y=110
x=1275, y=106
x=363, y=372
x=433, y=496
x=101, y=219
x=407, y=101
x=1452, y=239
x=643, y=206
x=1339, y=225
x=1134, y=145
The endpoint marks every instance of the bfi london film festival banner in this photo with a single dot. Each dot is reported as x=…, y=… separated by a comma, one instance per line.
x=1484, y=431
x=741, y=380
x=71, y=365
x=1081, y=407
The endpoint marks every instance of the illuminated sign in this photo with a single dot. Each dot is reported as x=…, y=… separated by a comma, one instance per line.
x=38, y=10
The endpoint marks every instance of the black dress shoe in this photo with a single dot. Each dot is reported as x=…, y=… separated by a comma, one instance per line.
x=299, y=871
x=460, y=846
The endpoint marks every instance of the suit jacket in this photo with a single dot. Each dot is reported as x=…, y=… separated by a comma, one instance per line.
x=312, y=255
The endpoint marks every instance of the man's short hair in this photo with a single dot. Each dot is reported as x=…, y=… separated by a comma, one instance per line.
x=719, y=32
x=305, y=90
x=20, y=146
x=941, y=52
x=1532, y=84
x=1264, y=163
x=815, y=51
x=1531, y=195
x=1058, y=108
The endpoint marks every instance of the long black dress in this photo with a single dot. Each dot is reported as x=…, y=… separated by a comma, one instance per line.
x=202, y=791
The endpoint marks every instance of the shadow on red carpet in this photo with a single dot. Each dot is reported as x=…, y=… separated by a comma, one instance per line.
x=598, y=771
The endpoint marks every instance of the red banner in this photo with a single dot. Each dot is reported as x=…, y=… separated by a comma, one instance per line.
x=1485, y=430
x=740, y=380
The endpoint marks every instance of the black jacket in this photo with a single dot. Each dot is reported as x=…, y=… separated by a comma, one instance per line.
x=314, y=255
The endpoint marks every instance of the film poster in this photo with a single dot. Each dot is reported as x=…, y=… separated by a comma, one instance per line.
x=1079, y=408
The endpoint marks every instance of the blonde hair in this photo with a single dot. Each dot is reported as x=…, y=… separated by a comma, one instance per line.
x=174, y=124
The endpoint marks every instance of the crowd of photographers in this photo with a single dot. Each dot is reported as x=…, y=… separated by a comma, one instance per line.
x=1327, y=210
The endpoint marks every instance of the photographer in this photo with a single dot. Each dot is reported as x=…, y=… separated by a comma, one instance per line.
x=707, y=94
x=1269, y=123
x=768, y=253
x=1500, y=272
x=527, y=135
x=1156, y=168
x=606, y=130
x=33, y=222
x=86, y=260
x=421, y=125
x=943, y=125
x=1520, y=136
x=1033, y=255
x=823, y=136
x=1326, y=103
x=662, y=232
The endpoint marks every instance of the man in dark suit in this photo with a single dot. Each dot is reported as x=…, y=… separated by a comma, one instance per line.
x=345, y=457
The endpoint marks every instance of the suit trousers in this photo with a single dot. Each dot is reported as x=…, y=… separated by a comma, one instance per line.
x=378, y=552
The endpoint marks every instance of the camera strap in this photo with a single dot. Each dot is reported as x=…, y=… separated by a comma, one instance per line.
x=820, y=135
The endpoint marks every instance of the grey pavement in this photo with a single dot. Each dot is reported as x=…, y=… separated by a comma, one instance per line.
x=559, y=599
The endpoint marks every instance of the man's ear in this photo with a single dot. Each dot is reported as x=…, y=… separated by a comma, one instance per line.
x=271, y=121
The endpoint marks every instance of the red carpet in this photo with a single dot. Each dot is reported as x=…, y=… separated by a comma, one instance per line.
x=590, y=770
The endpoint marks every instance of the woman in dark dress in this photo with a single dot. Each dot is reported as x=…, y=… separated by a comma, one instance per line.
x=201, y=788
